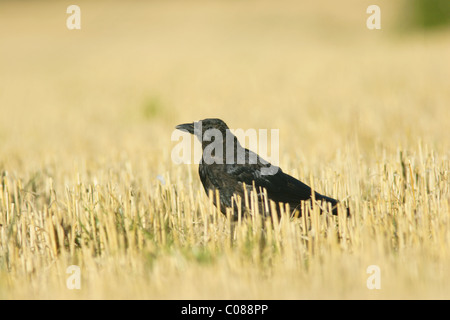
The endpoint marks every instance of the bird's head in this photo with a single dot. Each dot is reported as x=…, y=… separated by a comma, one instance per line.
x=203, y=129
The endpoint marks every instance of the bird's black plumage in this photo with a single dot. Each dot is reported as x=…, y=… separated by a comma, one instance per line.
x=234, y=175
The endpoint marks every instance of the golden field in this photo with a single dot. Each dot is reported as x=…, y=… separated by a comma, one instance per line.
x=86, y=118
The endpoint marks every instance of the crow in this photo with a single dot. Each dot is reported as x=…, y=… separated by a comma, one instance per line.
x=235, y=172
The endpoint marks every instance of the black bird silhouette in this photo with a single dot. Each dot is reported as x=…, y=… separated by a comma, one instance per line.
x=235, y=172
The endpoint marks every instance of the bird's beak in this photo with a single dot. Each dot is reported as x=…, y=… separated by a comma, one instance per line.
x=189, y=127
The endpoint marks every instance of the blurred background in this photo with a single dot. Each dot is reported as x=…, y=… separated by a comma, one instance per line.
x=136, y=69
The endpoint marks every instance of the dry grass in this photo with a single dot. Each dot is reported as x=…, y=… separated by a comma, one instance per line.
x=85, y=125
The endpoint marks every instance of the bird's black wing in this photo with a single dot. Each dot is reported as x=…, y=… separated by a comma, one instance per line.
x=280, y=186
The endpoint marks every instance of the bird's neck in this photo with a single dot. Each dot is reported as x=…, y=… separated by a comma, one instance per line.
x=225, y=151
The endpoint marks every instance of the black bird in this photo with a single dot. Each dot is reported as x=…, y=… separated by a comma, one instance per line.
x=235, y=171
